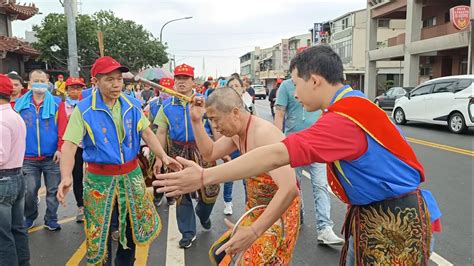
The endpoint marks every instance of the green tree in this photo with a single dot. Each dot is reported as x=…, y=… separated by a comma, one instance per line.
x=126, y=41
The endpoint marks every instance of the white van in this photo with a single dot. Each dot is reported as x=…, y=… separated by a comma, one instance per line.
x=443, y=101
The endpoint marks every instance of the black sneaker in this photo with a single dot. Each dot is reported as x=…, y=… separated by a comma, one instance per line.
x=186, y=243
x=206, y=225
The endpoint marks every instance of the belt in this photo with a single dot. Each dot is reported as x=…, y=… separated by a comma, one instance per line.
x=13, y=171
x=184, y=144
x=112, y=169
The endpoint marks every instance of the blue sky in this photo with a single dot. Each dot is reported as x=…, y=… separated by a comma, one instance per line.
x=220, y=30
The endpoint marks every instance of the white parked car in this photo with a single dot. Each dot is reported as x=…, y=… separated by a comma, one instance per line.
x=260, y=91
x=443, y=101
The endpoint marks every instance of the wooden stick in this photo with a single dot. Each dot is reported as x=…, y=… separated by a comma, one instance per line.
x=164, y=89
x=100, y=37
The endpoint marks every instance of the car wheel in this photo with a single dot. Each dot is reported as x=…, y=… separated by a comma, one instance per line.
x=399, y=116
x=456, y=123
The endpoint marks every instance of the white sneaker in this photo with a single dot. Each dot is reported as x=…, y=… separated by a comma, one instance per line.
x=228, y=208
x=328, y=237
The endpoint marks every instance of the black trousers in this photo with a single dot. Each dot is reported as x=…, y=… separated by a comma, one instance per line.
x=125, y=257
x=77, y=177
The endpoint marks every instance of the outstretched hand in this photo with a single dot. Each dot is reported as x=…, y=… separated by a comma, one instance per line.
x=185, y=181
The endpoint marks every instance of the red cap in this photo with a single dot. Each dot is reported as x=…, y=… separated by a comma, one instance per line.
x=301, y=49
x=6, y=86
x=75, y=81
x=279, y=81
x=210, y=78
x=106, y=64
x=60, y=76
x=167, y=82
x=184, y=70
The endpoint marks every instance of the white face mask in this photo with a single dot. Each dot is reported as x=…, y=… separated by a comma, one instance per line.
x=39, y=87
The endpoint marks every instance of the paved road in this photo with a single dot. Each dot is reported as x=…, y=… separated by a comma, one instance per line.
x=449, y=175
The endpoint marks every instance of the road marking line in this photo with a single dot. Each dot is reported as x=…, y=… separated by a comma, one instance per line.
x=141, y=254
x=441, y=146
x=434, y=256
x=440, y=260
x=42, y=192
x=174, y=254
x=77, y=257
x=39, y=227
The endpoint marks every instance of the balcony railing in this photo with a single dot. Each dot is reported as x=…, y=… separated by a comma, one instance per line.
x=426, y=33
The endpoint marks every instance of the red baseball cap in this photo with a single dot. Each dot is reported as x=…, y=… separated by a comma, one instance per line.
x=210, y=78
x=60, y=76
x=106, y=64
x=184, y=70
x=75, y=81
x=6, y=86
x=279, y=81
x=167, y=82
x=301, y=49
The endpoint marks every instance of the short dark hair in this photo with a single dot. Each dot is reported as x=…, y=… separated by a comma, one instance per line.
x=235, y=78
x=4, y=97
x=319, y=60
x=15, y=77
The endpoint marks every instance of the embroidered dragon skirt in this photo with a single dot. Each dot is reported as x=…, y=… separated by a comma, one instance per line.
x=389, y=232
x=271, y=248
x=101, y=192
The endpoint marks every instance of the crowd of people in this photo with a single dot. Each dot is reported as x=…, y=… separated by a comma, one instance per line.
x=108, y=140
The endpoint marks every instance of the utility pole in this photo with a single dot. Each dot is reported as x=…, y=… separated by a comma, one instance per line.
x=470, y=61
x=70, y=11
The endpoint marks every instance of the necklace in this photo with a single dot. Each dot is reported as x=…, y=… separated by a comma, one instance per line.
x=246, y=134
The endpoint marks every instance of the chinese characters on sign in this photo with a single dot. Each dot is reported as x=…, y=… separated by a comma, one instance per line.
x=460, y=17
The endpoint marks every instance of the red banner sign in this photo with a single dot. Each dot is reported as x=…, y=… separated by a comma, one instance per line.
x=460, y=17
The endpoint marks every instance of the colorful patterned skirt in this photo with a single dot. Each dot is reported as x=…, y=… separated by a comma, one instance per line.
x=270, y=248
x=101, y=192
x=189, y=150
x=389, y=232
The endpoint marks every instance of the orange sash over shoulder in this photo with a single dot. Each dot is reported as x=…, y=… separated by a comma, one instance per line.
x=375, y=122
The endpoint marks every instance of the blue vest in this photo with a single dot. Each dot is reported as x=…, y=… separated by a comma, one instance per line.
x=41, y=134
x=180, y=128
x=101, y=141
x=87, y=92
x=155, y=107
x=378, y=174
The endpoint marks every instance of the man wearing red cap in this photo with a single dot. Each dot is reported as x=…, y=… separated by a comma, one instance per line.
x=174, y=123
x=45, y=118
x=13, y=236
x=110, y=126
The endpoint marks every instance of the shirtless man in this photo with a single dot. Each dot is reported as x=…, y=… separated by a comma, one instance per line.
x=243, y=131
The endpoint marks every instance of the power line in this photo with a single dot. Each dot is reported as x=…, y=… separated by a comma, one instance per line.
x=216, y=49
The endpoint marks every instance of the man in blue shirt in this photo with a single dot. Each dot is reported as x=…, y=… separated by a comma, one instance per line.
x=297, y=119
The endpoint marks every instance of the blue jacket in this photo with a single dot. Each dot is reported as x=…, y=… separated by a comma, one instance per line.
x=155, y=107
x=180, y=128
x=41, y=134
x=101, y=141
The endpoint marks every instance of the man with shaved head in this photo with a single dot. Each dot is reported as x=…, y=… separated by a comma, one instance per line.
x=243, y=131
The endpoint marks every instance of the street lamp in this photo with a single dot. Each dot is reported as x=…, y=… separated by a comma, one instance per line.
x=161, y=31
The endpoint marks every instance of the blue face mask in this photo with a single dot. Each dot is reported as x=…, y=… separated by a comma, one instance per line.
x=39, y=87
